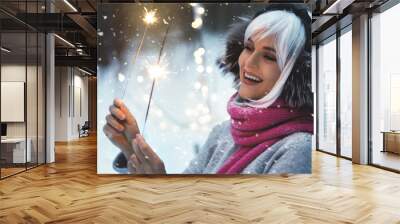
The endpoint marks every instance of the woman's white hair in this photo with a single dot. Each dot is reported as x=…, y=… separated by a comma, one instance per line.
x=290, y=37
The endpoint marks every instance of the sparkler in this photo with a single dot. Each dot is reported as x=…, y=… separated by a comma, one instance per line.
x=156, y=71
x=149, y=19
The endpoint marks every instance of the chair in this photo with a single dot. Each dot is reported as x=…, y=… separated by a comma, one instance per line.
x=84, y=130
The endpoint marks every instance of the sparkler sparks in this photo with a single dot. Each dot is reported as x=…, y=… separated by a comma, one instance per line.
x=150, y=16
x=158, y=71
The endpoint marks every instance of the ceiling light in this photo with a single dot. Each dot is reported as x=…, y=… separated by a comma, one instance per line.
x=70, y=5
x=65, y=41
x=337, y=7
x=5, y=50
x=84, y=71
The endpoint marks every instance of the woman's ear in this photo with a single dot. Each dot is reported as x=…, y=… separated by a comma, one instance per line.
x=234, y=46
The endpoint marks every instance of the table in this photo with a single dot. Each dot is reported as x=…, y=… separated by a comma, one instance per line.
x=15, y=148
x=391, y=141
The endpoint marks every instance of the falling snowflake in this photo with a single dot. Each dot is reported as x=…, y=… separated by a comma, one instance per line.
x=100, y=33
x=121, y=77
x=197, y=23
x=209, y=69
x=200, y=69
x=200, y=10
x=198, y=60
x=140, y=79
x=199, y=52
x=104, y=17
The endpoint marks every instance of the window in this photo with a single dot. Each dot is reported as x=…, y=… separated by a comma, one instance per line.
x=327, y=96
x=385, y=89
x=346, y=93
x=22, y=77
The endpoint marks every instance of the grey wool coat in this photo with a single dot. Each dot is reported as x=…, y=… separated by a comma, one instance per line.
x=291, y=154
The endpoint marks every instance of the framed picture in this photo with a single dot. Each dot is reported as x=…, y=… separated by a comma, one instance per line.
x=204, y=88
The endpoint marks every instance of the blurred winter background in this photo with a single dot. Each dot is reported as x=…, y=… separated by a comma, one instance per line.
x=191, y=99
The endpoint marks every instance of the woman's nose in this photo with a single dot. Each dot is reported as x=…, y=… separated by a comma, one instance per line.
x=252, y=61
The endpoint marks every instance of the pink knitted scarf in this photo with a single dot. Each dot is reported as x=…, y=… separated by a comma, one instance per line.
x=254, y=130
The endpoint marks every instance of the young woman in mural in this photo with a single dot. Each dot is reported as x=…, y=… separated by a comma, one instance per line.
x=271, y=120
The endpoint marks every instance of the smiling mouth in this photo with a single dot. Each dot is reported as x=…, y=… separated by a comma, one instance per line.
x=252, y=78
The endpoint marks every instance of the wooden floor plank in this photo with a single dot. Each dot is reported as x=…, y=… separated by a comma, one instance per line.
x=70, y=191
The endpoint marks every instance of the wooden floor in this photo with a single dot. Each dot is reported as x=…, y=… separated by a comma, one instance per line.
x=5, y=172
x=10, y=171
x=387, y=159
x=70, y=191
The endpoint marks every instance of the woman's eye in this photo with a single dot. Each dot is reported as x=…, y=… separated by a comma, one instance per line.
x=269, y=57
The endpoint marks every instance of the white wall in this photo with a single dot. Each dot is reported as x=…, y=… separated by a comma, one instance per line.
x=61, y=104
x=16, y=73
x=71, y=93
x=33, y=127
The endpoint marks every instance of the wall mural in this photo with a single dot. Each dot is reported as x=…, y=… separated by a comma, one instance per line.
x=204, y=88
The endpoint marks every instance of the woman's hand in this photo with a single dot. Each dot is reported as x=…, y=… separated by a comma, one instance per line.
x=121, y=127
x=144, y=160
